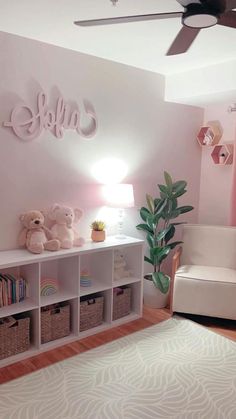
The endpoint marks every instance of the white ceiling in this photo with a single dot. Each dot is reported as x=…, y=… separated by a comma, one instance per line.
x=141, y=44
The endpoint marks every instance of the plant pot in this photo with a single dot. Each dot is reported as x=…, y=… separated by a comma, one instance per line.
x=152, y=296
x=98, y=236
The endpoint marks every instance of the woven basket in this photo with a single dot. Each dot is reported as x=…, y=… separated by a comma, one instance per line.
x=91, y=313
x=55, y=322
x=121, y=302
x=14, y=336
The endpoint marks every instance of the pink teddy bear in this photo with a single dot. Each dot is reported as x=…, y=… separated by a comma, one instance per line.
x=63, y=229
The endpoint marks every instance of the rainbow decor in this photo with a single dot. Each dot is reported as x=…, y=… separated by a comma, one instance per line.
x=48, y=286
x=85, y=279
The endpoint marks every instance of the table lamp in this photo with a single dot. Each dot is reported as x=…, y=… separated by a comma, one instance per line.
x=119, y=196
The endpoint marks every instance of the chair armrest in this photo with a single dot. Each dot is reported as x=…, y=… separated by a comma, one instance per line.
x=176, y=261
x=175, y=265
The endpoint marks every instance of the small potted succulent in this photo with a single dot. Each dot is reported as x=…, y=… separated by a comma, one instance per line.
x=98, y=231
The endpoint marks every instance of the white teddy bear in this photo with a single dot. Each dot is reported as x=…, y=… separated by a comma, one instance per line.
x=120, y=266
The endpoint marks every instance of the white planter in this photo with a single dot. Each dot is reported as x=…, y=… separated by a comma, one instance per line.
x=152, y=296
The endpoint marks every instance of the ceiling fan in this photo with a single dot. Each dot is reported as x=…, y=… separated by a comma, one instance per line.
x=197, y=15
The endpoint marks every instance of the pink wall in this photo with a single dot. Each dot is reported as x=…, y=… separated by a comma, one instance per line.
x=135, y=125
x=216, y=181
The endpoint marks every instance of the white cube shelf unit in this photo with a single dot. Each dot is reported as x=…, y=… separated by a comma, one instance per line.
x=66, y=265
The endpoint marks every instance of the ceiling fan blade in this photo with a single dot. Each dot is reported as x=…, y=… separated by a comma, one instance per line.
x=228, y=19
x=183, y=40
x=127, y=19
x=231, y=4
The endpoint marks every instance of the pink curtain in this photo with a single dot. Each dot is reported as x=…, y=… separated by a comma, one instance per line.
x=233, y=197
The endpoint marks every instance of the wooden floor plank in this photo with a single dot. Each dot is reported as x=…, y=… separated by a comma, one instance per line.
x=150, y=317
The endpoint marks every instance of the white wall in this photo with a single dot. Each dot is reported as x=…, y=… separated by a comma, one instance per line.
x=216, y=180
x=208, y=84
x=134, y=125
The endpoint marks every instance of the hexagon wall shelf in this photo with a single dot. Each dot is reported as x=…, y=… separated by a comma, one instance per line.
x=227, y=150
x=209, y=135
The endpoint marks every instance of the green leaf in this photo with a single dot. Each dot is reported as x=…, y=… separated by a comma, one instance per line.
x=161, y=281
x=168, y=179
x=174, y=244
x=148, y=260
x=163, y=189
x=144, y=227
x=144, y=212
x=180, y=193
x=186, y=208
x=160, y=206
x=179, y=186
x=174, y=203
x=161, y=235
x=150, y=203
x=150, y=223
x=174, y=214
x=156, y=202
x=150, y=240
x=154, y=251
x=170, y=233
x=163, y=254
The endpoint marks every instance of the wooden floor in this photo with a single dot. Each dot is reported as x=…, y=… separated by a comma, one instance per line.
x=150, y=317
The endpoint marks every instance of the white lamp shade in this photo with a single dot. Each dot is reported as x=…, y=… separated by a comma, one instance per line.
x=119, y=195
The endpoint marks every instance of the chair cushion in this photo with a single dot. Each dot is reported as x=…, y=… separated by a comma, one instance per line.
x=205, y=290
x=207, y=273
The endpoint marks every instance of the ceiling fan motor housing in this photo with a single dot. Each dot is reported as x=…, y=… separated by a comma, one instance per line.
x=199, y=16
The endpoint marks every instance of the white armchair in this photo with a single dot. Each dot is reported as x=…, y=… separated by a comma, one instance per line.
x=204, y=272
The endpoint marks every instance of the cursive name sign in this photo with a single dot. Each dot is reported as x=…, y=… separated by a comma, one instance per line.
x=28, y=125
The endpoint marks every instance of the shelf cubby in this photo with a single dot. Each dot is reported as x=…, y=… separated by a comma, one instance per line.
x=133, y=257
x=227, y=150
x=209, y=135
x=66, y=271
x=31, y=274
x=99, y=267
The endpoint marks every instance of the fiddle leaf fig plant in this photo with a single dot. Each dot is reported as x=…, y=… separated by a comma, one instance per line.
x=160, y=227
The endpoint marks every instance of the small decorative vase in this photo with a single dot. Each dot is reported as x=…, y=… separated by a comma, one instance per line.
x=98, y=236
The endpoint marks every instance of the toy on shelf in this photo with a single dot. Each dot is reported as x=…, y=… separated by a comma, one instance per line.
x=63, y=229
x=35, y=236
x=120, y=266
x=85, y=278
x=98, y=231
x=208, y=137
x=48, y=286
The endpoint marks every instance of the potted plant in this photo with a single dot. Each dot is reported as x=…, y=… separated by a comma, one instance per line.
x=160, y=229
x=98, y=231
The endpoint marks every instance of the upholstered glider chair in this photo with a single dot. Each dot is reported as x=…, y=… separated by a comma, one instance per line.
x=204, y=272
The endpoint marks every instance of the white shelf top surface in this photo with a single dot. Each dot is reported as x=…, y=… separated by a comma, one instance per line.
x=17, y=257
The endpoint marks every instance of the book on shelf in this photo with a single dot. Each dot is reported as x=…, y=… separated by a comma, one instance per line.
x=12, y=289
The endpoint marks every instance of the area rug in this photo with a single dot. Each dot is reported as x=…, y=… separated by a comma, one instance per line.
x=176, y=370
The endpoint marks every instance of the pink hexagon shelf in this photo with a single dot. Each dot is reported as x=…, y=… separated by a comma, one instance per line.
x=223, y=154
x=209, y=135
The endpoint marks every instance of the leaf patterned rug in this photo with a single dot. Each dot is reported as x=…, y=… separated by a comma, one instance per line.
x=176, y=370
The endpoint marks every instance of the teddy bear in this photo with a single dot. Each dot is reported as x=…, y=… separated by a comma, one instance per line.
x=120, y=266
x=63, y=228
x=35, y=236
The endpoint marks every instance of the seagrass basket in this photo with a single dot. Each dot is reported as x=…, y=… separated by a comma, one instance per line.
x=91, y=312
x=55, y=322
x=121, y=302
x=14, y=335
